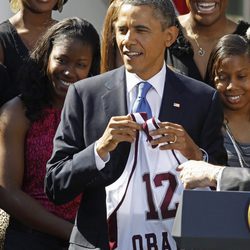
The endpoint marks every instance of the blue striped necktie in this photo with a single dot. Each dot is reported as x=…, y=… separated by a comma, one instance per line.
x=141, y=104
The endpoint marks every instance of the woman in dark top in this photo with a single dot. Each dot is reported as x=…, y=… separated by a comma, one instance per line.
x=69, y=51
x=19, y=34
x=229, y=67
x=200, y=29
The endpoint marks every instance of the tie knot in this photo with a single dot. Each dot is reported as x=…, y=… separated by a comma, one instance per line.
x=143, y=89
x=141, y=104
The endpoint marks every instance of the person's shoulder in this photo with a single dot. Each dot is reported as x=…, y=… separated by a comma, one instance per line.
x=101, y=80
x=183, y=19
x=5, y=27
x=241, y=28
x=7, y=32
x=190, y=83
x=181, y=46
x=13, y=112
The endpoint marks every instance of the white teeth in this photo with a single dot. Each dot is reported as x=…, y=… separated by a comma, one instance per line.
x=203, y=6
x=132, y=53
x=206, y=5
x=66, y=83
x=234, y=98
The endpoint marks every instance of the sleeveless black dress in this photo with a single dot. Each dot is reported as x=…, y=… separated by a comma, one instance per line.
x=15, y=54
x=180, y=54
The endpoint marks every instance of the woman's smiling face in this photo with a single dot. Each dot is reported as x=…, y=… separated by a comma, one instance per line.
x=70, y=61
x=232, y=81
x=207, y=12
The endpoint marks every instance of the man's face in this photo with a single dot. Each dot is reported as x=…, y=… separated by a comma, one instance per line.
x=207, y=12
x=142, y=40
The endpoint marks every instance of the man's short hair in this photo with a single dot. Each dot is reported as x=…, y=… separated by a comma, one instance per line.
x=163, y=9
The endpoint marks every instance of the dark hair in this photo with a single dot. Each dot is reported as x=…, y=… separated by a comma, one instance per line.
x=163, y=9
x=36, y=89
x=108, y=45
x=228, y=45
x=56, y=6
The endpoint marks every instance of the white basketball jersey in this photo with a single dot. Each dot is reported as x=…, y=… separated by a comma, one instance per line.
x=142, y=203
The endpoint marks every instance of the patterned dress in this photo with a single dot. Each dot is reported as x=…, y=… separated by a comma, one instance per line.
x=38, y=149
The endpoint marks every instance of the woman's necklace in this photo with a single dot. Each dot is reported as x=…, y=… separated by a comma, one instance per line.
x=201, y=51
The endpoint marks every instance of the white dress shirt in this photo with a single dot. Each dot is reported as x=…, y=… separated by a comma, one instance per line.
x=154, y=95
x=154, y=98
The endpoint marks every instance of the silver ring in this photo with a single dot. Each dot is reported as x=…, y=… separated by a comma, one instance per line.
x=175, y=139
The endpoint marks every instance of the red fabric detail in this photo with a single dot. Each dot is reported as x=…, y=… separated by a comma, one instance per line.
x=181, y=6
x=38, y=149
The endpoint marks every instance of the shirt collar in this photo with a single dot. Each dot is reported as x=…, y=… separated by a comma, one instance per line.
x=157, y=81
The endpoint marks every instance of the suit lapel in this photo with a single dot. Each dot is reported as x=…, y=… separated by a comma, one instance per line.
x=115, y=98
x=172, y=101
x=115, y=104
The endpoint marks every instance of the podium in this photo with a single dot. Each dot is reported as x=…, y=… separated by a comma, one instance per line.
x=211, y=220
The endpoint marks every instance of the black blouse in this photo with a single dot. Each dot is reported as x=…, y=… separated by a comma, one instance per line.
x=15, y=54
x=180, y=54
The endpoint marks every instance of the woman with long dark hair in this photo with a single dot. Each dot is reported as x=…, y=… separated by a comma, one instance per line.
x=68, y=52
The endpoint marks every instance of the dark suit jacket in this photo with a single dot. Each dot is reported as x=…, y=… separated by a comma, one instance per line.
x=235, y=179
x=89, y=105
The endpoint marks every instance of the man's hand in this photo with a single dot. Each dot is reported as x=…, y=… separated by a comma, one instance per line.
x=119, y=129
x=173, y=136
x=196, y=174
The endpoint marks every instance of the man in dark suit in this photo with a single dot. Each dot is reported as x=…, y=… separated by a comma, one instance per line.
x=196, y=174
x=93, y=140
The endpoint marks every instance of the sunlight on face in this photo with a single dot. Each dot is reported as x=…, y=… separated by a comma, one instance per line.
x=69, y=61
x=233, y=81
x=141, y=40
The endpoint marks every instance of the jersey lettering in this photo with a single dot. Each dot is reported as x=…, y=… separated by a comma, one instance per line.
x=166, y=213
x=151, y=242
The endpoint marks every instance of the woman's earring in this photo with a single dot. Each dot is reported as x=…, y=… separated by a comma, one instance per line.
x=60, y=5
